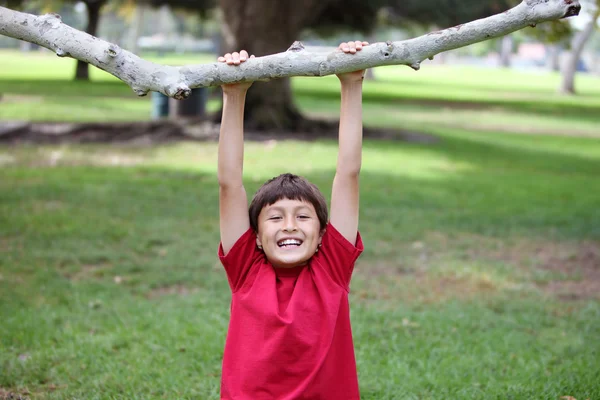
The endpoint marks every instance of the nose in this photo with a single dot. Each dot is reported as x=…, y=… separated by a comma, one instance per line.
x=290, y=224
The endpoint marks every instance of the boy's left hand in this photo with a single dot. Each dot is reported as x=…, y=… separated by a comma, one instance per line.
x=352, y=48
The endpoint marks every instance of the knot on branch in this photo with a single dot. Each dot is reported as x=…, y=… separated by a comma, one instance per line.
x=296, y=46
x=61, y=53
x=113, y=50
x=140, y=91
x=387, y=52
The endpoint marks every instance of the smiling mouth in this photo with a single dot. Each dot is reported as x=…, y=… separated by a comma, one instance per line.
x=289, y=243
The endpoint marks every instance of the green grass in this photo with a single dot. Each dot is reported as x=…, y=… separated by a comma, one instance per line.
x=39, y=87
x=110, y=286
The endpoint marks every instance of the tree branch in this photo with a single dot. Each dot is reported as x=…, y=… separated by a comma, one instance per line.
x=143, y=76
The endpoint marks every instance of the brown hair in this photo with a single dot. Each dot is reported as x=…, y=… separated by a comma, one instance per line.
x=287, y=186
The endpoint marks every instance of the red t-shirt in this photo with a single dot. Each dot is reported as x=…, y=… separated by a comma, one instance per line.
x=289, y=334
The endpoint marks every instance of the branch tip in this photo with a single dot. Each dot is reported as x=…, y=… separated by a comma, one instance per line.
x=573, y=10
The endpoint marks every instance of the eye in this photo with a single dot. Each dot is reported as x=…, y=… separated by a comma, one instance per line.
x=303, y=217
x=274, y=218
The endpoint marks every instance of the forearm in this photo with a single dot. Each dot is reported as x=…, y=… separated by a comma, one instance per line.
x=351, y=130
x=231, y=139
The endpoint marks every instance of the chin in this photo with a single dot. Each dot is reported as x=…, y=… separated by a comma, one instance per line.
x=290, y=261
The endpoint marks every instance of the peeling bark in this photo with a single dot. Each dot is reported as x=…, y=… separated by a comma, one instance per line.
x=143, y=76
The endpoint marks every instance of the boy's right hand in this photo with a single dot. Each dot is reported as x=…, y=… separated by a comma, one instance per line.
x=235, y=58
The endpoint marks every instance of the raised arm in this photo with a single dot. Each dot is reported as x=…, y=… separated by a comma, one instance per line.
x=345, y=191
x=233, y=202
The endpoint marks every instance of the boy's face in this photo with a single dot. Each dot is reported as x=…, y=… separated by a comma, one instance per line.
x=289, y=232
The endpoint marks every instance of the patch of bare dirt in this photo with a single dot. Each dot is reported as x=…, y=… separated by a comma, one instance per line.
x=567, y=270
x=89, y=272
x=579, y=264
x=6, y=394
x=179, y=290
x=571, y=269
x=425, y=288
x=412, y=280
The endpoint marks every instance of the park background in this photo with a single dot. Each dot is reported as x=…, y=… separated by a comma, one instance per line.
x=479, y=212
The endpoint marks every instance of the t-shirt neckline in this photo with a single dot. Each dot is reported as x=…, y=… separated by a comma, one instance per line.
x=293, y=271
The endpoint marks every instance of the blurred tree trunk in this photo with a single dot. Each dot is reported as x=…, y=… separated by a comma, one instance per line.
x=93, y=14
x=265, y=27
x=135, y=30
x=506, y=49
x=567, y=85
x=553, y=57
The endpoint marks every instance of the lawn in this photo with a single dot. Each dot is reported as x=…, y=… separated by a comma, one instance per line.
x=480, y=278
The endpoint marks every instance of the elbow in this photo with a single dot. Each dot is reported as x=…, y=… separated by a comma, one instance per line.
x=355, y=172
x=350, y=170
x=227, y=181
x=349, y=174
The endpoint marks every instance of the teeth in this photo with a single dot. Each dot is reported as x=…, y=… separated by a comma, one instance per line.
x=290, y=242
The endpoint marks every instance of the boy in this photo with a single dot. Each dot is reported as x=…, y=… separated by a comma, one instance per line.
x=289, y=269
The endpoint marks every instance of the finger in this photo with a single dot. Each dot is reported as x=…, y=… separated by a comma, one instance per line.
x=236, y=57
x=252, y=56
x=228, y=59
x=221, y=59
x=365, y=43
x=358, y=45
x=243, y=55
x=352, y=47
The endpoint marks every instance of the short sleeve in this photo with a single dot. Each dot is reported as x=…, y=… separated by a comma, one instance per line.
x=337, y=255
x=239, y=260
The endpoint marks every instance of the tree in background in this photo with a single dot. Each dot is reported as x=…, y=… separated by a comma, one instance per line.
x=555, y=35
x=93, y=8
x=578, y=42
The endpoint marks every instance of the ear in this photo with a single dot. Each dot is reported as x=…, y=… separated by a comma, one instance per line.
x=258, y=242
x=321, y=235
